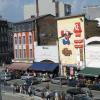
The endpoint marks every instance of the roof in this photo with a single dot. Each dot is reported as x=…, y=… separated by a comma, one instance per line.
x=72, y=16
x=34, y=18
x=90, y=71
x=18, y=66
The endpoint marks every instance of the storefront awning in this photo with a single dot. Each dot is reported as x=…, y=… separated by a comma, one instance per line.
x=89, y=71
x=18, y=66
x=43, y=66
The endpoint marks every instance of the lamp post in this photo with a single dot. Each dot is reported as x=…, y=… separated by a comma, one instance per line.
x=0, y=89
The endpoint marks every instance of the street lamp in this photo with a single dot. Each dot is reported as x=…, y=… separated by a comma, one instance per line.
x=0, y=89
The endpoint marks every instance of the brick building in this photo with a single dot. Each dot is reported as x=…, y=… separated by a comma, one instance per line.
x=32, y=31
x=6, y=43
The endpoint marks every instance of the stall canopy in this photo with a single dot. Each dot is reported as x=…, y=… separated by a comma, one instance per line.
x=43, y=66
x=18, y=66
x=90, y=71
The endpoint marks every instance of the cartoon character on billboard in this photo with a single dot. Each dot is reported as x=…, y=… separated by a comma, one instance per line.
x=66, y=35
x=77, y=29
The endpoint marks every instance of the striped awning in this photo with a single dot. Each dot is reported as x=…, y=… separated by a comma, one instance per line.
x=18, y=66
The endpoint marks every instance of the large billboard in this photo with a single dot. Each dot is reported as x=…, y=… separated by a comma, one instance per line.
x=71, y=40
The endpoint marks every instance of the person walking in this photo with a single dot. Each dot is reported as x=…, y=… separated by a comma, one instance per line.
x=29, y=91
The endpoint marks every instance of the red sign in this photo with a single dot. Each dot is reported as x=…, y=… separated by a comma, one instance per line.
x=78, y=41
x=77, y=29
x=78, y=45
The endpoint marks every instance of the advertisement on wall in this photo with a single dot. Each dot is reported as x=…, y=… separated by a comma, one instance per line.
x=71, y=40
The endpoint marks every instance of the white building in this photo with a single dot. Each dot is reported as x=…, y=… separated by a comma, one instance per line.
x=53, y=7
x=49, y=53
x=92, y=57
x=92, y=12
x=92, y=52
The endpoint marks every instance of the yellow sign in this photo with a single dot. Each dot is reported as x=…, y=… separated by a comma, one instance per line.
x=71, y=39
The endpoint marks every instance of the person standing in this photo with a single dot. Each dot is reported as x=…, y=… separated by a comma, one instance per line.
x=29, y=91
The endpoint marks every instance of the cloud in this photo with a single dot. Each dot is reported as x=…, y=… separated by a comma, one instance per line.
x=77, y=5
x=5, y=4
x=9, y=8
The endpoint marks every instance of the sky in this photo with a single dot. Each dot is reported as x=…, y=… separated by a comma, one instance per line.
x=12, y=10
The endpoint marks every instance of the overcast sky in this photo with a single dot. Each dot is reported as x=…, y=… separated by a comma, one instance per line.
x=13, y=9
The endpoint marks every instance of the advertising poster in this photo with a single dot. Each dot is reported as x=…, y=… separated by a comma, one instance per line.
x=71, y=40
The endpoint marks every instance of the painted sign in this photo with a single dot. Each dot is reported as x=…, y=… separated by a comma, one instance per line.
x=71, y=40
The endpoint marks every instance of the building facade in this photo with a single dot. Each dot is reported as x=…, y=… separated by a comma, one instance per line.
x=33, y=32
x=92, y=12
x=6, y=46
x=58, y=9
x=23, y=41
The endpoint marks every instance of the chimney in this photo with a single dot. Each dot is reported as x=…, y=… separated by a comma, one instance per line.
x=57, y=8
x=37, y=8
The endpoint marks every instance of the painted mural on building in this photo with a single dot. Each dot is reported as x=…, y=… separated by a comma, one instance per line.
x=71, y=40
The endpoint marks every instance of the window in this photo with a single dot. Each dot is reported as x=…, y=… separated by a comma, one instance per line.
x=20, y=52
x=19, y=40
x=67, y=10
x=30, y=39
x=23, y=39
x=30, y=53
x=15, y=40
x=24, y=53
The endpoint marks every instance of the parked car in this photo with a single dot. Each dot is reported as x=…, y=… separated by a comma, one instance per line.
x=78, y=90
x=5, y=76
x=57, y=93
x=43, y=78
x=59, y=80
x=82, y=97
x=26, y=76
x=39, y=91
x=32, y=81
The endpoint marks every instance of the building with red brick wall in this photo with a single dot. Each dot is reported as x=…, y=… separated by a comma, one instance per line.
x=23, y=46
x=33, y=31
